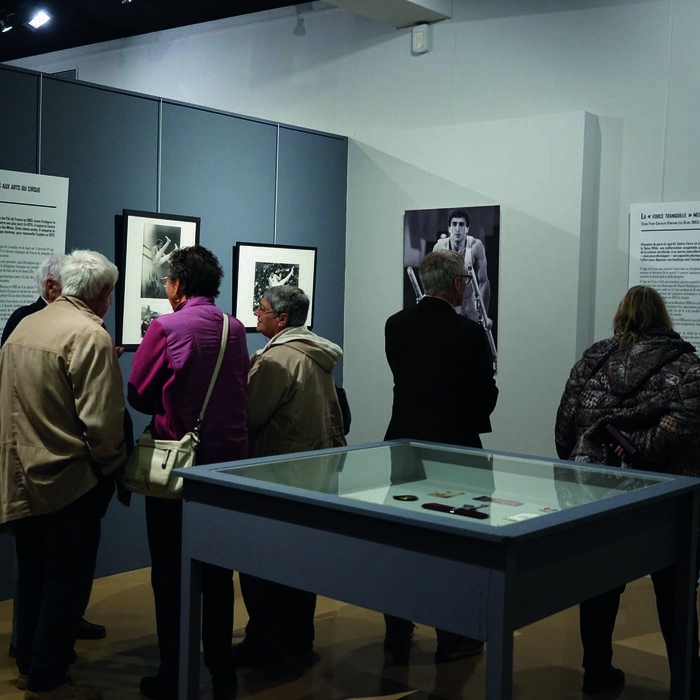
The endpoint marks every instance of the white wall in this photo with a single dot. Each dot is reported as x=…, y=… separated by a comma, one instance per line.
x=540, y=247
x=494, y=114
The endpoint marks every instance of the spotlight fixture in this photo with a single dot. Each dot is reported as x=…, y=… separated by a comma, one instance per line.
x=5, y=22
x=300, y=29
x=39, y=19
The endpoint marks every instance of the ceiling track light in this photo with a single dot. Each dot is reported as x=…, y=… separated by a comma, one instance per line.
x=5, y=22
x=38, y=19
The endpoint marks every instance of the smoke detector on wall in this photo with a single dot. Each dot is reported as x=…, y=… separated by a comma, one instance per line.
x=420, y=39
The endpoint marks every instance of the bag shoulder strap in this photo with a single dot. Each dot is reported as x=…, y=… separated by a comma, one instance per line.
x=222, y=349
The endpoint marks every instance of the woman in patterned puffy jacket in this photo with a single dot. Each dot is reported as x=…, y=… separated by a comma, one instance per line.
x=645, y=381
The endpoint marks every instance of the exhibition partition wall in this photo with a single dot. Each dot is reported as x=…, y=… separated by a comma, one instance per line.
x=249, y=180
x=544, y=172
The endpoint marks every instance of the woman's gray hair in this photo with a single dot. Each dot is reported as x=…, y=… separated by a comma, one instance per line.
x=285, y=299
x=49, y=269
x=438, y=271
x=86, y=274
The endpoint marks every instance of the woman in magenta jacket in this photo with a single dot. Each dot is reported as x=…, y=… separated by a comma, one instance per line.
x=170, y=375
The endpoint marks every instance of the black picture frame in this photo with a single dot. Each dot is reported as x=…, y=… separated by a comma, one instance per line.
x=144, y=243
x=260, y=265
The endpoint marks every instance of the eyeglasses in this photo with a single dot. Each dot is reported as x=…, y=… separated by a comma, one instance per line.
x=466, y=277
x=259, y=311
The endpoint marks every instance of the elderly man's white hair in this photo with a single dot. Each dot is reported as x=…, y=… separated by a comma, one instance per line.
x=86, y=274
x=49, y=269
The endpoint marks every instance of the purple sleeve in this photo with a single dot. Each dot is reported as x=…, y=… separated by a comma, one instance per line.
x=149, y=371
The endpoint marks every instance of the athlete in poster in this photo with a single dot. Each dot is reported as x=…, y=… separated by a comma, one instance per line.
x=470, y=232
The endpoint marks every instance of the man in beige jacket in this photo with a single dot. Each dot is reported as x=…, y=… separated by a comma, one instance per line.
x=48, y=281
x=61, y=438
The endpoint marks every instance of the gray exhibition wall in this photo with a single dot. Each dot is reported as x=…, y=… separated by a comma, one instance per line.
x=249, y=180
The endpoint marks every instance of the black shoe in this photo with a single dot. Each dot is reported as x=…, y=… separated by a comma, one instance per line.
x=224, y=687
x=89, y=630
x=156, y=688
x=298, y=646
x=399, y=638
x=244, y=655
x=303, y=658
x=300, y=652
x=462, y=648
x=595, y=682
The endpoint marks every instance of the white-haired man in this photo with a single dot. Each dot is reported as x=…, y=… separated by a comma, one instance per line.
x=48, y=282
x=61, y=439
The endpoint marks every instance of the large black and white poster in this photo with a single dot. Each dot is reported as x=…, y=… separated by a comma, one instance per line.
x=474, y=232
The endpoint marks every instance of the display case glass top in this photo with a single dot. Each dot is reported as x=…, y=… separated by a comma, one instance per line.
x=459, y=484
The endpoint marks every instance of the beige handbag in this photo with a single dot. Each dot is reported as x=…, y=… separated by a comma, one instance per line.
x=148, y=470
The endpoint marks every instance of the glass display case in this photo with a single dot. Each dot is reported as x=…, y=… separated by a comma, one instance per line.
x=474, y=541
x=494, y=488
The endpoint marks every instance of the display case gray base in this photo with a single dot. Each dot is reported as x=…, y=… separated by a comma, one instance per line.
x=329, y=522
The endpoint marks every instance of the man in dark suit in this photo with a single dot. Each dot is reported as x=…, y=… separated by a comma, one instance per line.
x=444, y=391
x=444, y=388
x=48, y=279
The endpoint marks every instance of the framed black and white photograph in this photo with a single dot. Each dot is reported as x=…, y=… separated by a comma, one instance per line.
x=258, y=266
x=147, y=241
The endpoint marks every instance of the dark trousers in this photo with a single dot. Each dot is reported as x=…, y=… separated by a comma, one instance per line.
x=597, y=621
x=56, y=556
x=398, y=630
x=280, y=617
x=164, y=526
